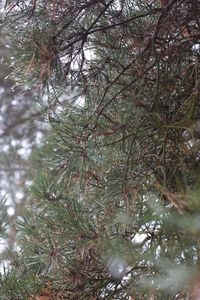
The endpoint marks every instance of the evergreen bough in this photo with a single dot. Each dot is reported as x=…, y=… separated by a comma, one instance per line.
x=114, y=204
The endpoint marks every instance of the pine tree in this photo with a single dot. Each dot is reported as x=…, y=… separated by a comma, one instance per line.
x=21, y=130
x=114, y=206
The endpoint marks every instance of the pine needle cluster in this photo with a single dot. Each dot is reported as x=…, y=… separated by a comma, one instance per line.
x=114, y=205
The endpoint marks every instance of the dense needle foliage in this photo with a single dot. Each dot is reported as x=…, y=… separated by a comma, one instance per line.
x=114, y=207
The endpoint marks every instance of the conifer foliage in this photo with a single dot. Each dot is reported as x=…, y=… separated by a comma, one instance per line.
x=115, y=198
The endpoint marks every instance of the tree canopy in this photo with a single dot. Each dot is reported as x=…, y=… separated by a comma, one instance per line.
x=114, y=204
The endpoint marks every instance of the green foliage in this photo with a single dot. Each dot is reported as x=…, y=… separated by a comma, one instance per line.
x=18, y=285
x=4, y=219
x=114, y=204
